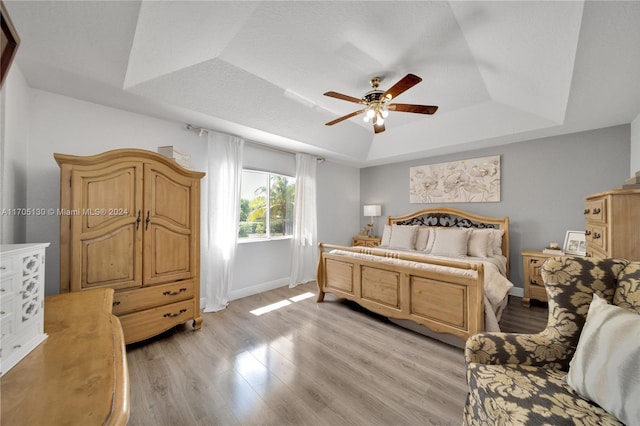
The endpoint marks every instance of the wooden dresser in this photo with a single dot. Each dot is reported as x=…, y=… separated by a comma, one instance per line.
x=78, y=375
x=130, y=220
x=613, y=224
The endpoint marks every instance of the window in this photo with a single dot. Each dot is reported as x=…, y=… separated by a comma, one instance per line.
x=266, y=205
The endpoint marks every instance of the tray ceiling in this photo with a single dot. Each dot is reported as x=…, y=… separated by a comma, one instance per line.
x=501, y=72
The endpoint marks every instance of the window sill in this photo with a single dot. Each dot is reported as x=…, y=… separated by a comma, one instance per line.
x=263, y=240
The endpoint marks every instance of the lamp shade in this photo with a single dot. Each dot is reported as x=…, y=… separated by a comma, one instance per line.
x=372, y=210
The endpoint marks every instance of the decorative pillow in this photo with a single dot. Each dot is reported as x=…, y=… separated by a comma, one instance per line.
x=450, y=242
x=606, y=366
x=386, y=236
x=403, y=236
x=479, y=243
x=422, y=237
x=496, y=241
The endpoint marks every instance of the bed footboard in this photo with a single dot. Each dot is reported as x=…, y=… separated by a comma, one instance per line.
x=446, y=298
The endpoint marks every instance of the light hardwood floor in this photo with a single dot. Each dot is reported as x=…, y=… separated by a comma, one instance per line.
x=305, y=363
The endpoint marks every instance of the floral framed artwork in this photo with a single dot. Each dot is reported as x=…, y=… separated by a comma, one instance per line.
x=475, y=180
x=575, y=243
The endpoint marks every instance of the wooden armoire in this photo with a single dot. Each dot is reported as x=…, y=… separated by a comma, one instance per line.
x=130, y=220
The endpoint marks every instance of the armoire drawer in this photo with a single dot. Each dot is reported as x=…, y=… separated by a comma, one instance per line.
x=128, y=301
x=144, y=324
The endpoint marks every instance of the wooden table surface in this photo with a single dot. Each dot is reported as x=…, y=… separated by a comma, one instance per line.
x=78, y=375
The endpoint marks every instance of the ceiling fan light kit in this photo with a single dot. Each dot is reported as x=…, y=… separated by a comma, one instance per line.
x=377, y=102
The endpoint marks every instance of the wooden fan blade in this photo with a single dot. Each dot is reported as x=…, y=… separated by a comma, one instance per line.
x=343, y=97
x=406, y=83
x=344, y=117
x=378, y=128
x=418, y=109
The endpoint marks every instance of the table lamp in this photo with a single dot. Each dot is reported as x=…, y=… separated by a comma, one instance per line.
x=372, y=210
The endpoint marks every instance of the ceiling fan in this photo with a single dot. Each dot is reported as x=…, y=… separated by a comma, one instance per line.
x=377, y=102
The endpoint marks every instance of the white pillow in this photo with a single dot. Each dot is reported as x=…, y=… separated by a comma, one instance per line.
x=386, y=236
x=422, y=237
x=606, y=366
x=479, y=243
x=403, y=236
x=449, y=241
x=496, y=241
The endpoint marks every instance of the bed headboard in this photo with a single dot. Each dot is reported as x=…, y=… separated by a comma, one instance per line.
x=454, y=218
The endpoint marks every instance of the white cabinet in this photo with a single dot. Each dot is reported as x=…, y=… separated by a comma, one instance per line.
x=21, y=301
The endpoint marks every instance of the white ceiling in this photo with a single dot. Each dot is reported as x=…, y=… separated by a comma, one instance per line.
x=500, y=72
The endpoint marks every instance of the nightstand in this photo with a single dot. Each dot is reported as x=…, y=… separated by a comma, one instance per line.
x=533, y=284
x=361, y=241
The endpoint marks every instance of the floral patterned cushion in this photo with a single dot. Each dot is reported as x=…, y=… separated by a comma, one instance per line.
x=627, y=293
x=527, y=395
x=519, y=378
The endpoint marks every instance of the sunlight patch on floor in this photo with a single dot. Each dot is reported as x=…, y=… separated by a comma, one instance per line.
x=281, y=304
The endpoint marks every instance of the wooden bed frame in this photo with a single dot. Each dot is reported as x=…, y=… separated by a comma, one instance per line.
x=441, y=301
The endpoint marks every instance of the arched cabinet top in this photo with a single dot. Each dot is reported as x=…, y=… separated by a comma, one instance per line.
x=127, y=154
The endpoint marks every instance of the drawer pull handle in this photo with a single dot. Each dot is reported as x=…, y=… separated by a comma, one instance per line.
x=138, y=220
x=596, y=211
x=596, y=236
x=174, y=293
x=116, y=302
x=587, y=232
x=17, y=346
x=147, y=220
x=168, y=315
x=2, y=312
x=587, y=211
x=534, y=261
x=3, y=268
x=534, y=282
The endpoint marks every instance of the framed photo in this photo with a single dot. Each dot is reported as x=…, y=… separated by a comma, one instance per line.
x=10, y=42
x=575, y=243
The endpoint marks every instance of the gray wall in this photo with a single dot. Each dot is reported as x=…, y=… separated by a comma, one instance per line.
x=338, y=201
x=544, y=183
x=635, y=146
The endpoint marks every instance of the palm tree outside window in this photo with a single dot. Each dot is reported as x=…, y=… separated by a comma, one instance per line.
x=266, y=205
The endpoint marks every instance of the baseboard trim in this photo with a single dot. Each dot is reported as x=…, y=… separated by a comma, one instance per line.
x=258, y=288
x=517, y=291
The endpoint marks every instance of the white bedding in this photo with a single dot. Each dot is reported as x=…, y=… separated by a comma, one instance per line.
x=496, y=285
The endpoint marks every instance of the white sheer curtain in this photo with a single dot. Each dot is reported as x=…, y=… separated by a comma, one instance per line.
x=305, y=229
x=224, y=176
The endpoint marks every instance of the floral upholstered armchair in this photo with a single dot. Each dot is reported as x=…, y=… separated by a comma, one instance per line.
x=521, y=378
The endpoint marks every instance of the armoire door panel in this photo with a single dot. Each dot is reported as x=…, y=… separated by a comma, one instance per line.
x=106, y=237
x=171, y=258
x=168, y=196
x=110, y=260
x=103, y=196
x=169, y=246
x=175, y=211
x=103, y=204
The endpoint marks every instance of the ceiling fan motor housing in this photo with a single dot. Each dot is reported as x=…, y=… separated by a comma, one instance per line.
x=372, y=96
